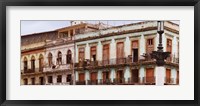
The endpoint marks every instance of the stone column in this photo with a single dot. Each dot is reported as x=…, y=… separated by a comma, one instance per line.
x=160, y=75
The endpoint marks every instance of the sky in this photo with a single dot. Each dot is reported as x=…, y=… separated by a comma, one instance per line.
x=30, y=26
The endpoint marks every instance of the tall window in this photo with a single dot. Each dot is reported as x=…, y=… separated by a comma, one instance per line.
x=135, y=50
x=120, y=52
x=81, y=54
x=41, y=61
x=50, y=57
x=25, y=64
x=69, y=56
x=106, y=53
x=149, y=45
x=32, y=63
x=59, y=59
x=93, y=53
x=169, y=48
x=59, y=78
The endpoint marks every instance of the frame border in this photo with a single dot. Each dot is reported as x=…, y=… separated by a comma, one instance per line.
x=4, y=3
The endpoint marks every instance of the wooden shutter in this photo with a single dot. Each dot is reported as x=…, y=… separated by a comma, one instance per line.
x=93, y=76
x=120, y=50
x=150, y=75
x=149, y=45
x=135, y=44
x=92, y=51
x=106, y=52
x=168, y=75
x=81, y=54
x=81, y=77
x=105, y=75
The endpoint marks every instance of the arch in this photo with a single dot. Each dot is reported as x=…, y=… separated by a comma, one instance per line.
x=41, y=62
x=69, y=57
x=25, y=61
x=59, y=58
x=33, y=63
x=50, y=58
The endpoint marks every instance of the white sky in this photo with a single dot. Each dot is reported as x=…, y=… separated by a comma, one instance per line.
x=30, y=26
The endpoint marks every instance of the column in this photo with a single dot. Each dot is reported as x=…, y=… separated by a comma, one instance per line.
x=142, y=45
x=112, y=74
x=87, y=51
x=173, y=75
x=127, y=74
x=99, y=75
x=112, y=49
x=160, y=75
x=141, y=74
x=54, y=78
x=99, y=51
x=127, y=47
x=87, y=76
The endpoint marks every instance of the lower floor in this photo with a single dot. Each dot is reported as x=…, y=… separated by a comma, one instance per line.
x=62, y=78
x=128, y=75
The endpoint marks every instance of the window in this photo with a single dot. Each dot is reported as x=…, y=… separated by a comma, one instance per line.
x=32, y=63
x=69, y=56
x=50, y=59
x=149, y=45
x=135, y=51
x=50, y=79
x=33, y=81
x=69, y=78
x=59, y=78
x=25, y=64
x=25, y=81
x=169, y=48
x=41, y=80
x=106, y=54
x=93, y=53
x=59, y=59
x=81, y=54
x=41, y=60
x=120, y=52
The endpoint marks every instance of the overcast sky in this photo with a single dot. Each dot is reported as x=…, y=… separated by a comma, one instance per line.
x=28, y=27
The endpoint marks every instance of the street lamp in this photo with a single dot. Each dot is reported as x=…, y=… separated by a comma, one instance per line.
x=159, y=55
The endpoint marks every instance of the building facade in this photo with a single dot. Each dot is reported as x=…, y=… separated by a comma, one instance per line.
x=87, y=54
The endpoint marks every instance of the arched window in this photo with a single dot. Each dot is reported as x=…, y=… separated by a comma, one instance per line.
x=50, y=57
x=25, y=64
x=59, y=59
x=41, y=61
x=32, y=63
x=69, y=57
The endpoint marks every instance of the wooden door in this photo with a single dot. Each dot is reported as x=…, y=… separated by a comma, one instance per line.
x=106, y=54
x=105, y=76
x=120, y=52
x=135, y=75
x=135, y=50
x=169, y=48
x=168, y=75
x=81, y=54
x=120, y=76
x=93, y=53
x=93, y=76
x=81, y=77
x=177, y=77
x=150, y=75
x=149, y=45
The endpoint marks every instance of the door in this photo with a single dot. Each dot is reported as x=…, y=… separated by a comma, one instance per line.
x=93, y=53
x=135, y=51
x=82, y=77
x=120, y=52
x=168, y=75
x=106, y=54
x=93, y=77
x=120, y=76
x=150, y=75
x=135, y=77
x=105, y=77
x=177, y=77
x=41, y=81
x=81, y=54
x=169, y=49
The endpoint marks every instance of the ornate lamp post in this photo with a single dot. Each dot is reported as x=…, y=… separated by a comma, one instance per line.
x=159, y=55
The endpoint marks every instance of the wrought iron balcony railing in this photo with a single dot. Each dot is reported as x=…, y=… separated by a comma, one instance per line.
x=149, y=80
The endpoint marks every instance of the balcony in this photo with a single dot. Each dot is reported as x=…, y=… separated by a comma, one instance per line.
x=80, y=83
x=119, y=81
x=57, y=67
x=30, y=71
x=169, y=81
x=134, y=81
x=105, y=82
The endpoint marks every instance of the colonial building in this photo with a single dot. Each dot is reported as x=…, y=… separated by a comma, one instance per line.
x=47, y=58
x=94, y=54
x=121, y=55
